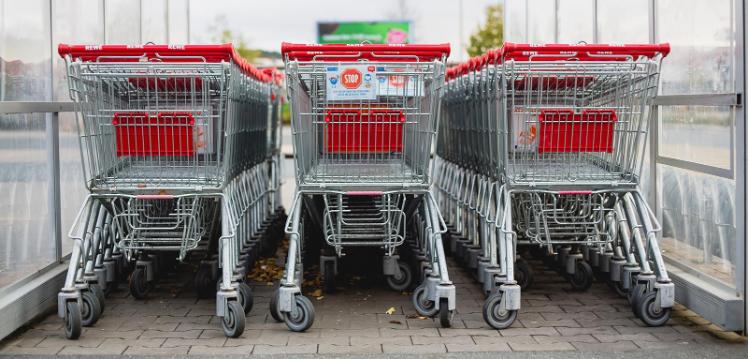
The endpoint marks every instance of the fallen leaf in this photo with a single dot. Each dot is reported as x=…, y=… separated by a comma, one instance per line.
x=422, y=318
x=396, y=322
x=391, y=311
x=321, y=297
x=316, y=293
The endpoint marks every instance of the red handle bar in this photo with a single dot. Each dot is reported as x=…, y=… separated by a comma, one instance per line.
x=305, y=52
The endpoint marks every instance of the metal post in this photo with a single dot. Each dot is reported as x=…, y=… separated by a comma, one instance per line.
x=53, y=169
x=741, y=52
x=595, y=35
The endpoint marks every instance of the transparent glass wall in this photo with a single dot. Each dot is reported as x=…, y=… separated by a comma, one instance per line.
x=575, y=21
x=31, y=70
x=25, y=75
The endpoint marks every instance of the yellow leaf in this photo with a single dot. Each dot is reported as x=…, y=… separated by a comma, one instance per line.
x=321, y=297
x=391, y=311
x=317, y=293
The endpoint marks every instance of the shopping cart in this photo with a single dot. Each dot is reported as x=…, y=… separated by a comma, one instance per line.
x=174, y=148
x=565, y=127
x=363, y=119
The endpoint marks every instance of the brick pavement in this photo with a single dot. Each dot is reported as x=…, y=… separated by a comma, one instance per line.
x=353, y=321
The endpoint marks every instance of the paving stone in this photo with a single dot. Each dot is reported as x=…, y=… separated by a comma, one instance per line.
x=528, y=331
x=442, y=340
x=584, y=338
x=460, y=348
x=519, y=339
x=644, y=329
x=294, y=349
x=138, y=350
x=59, y=342
x=14, y=350
x=606, y=347
x=341, y=340
x=178, y=342
x=355, y=341
x=547, y=347
x=593, y=330
x=414, y=349
x=112, y=349
x=349, y=349
x=589, y=308
x=371, y=332
x=24, y=341
x=141, y=342
x=451, y=332
x=98, y=333
x=386, y=332
x=211, y=351
x=187, y=334
x=610, y=338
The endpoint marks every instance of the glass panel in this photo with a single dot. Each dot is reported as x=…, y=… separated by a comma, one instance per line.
x=697, y=134
x=541, y=21
x=515, y=21
x=154, y=21
x=80, y=22
x=25, y=245
x=701, y=34
x=575, y=21
x=123, y=22
x=24, y=51
x=623, y=21
x=178, y=21
x=698, y=219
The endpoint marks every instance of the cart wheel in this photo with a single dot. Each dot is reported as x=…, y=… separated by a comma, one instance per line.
x=423, y=305
x=111, y=287
x=245, y=297
x=445, y=315
x=494, y=315
x=618, y=287
x=73, y=322
x=233, y=320
x=96, y=289
x=650, y=313
x=635, y=296
x=302, y=317
x=581, y=280
x=204, y=285
x=329, y=279
x=139, y=286
x=403, y=281
x=90, y=309
x=523, y=274
x=277, y=316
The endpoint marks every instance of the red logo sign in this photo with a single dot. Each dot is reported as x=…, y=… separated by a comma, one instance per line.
x=351, y=78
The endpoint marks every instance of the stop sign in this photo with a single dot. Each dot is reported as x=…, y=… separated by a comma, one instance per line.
x=351, y=78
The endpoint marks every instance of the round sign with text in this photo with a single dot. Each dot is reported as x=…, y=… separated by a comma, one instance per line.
x=351, y=78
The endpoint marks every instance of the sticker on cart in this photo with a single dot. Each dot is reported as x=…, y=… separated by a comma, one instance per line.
x=399, y=85
x=524, y=131
x=357, y=82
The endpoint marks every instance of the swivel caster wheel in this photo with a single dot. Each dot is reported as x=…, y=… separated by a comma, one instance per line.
x=403, y=281
x=73, y=321
x=96, y=289
x=233, y=320
x=582, y=278
x=204, y=284
x=523, y=273
x=494, y=315
x=423, y=305
x=139, y=285
x=329, y=280
x=301, y=317
x=90, y=310
x=635, y=296
x=650, y=312
x=246, y=299
x=274, y=312
x=445, y=315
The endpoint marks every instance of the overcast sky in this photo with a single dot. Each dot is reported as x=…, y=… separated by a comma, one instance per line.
x=266, y=23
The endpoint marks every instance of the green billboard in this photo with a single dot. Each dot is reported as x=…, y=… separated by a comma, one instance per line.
x=356, y=32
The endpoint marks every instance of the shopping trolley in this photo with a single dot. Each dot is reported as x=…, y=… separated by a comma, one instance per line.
x=566, y=126
x=174, y=152
x=363, y=119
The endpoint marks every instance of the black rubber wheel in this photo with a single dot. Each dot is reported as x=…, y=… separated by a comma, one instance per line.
x=402, y=282
x=204, y=284
x=329, y=280
x=423, y=305
x=651, y=314
x=494, y=316
x=96, y=289
x=635, y=296
x=73, y=322
x=139, y=286
x=233, y=320
x=302, y=317
x=582, y=278
x=246, y=299
x=523, y=274
x=445, y=315
x=277, y=316
x=90, y=309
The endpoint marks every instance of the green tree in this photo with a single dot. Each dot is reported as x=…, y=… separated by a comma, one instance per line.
x=490, y=35
x=240, y=45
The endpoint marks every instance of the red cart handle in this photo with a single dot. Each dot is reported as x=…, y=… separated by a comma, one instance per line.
x=586, y=52
x=162, y=53
x=342, y=52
